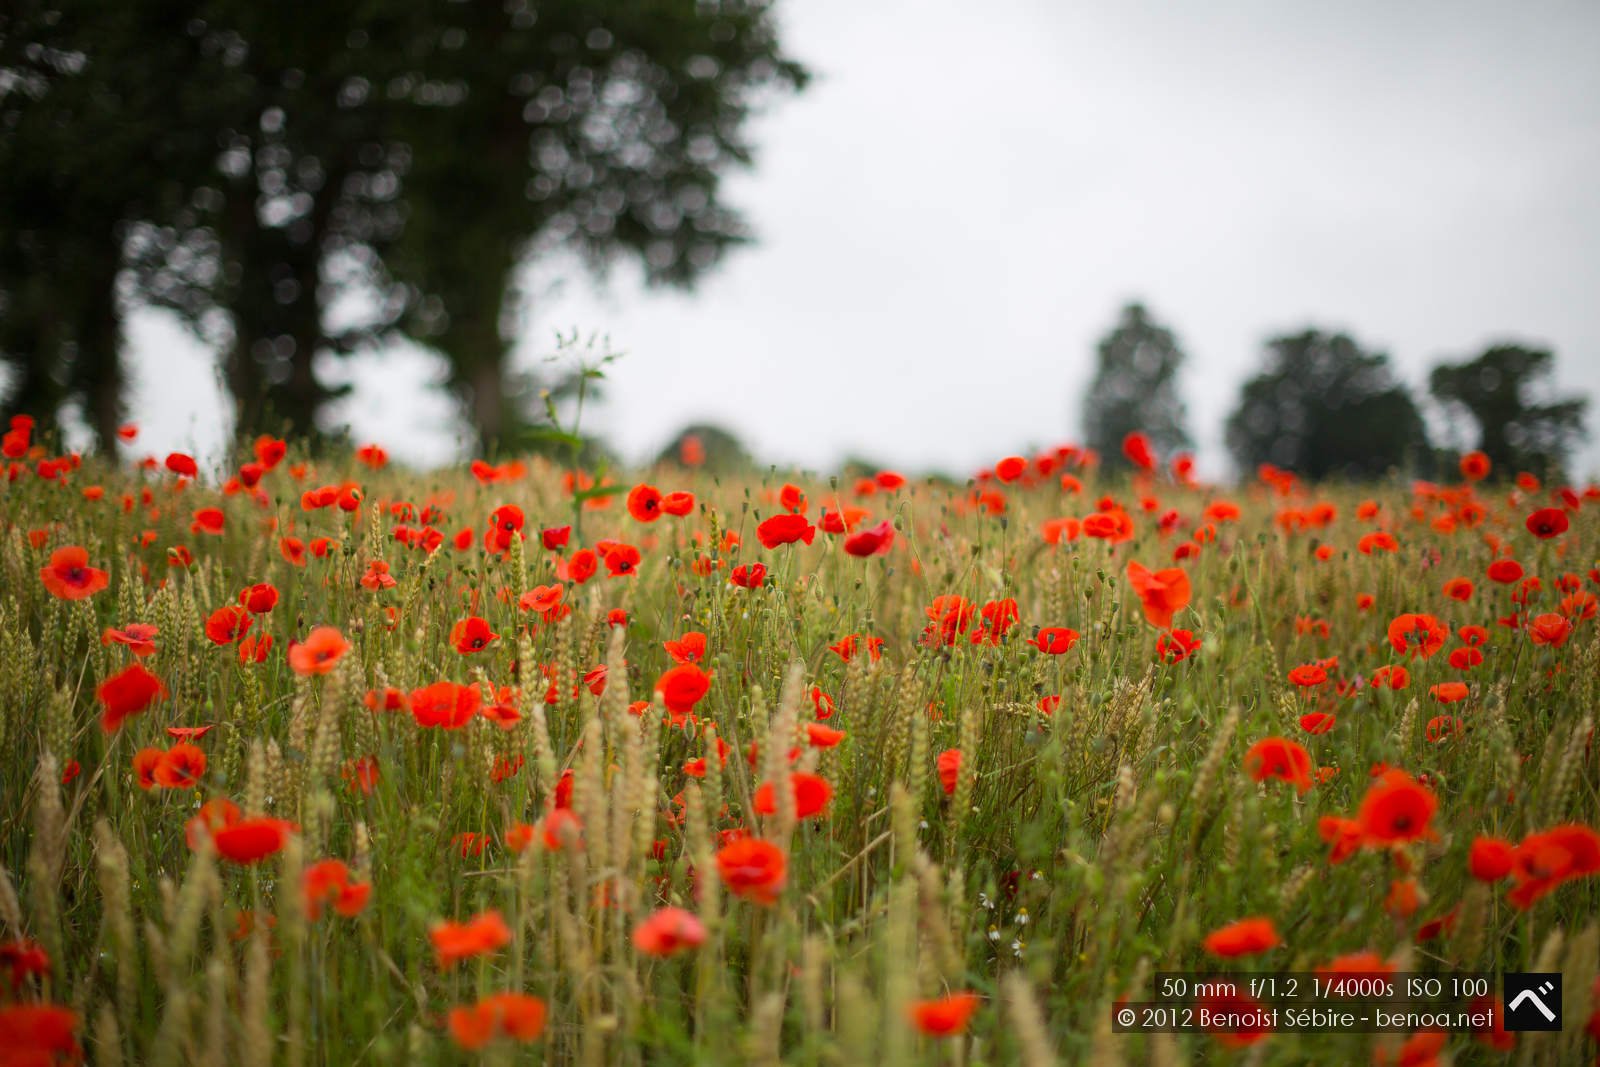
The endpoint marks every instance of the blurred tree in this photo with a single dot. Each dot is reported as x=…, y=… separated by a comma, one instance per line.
x=1135, y=388
x=602, y=129
x=255, y=167
x=708, y=446
x=1324, y=407
x=81, y=152
x=297, y=200
x=1498, y=391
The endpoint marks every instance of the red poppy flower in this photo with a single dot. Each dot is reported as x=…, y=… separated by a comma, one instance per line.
x=482, y=934
x=1490, y=858
x=1448, y=692
x=1247, y=937
x=1343, y=834
x=1175, y=646
x=471, y=634
x=1054, y=640
x=126, y=693
x=445, y=704
x=581, y=567
x=329, y=880
x=145, y=762
x=68, y=575
x=293, y=550
x=181, y=767
x=226, y=625
x=208, y=521
x=1396, y=810
x=1475, y=466
x=874, y=542
x=182, y=464
x=644, y=503
x=320, y=652
x=1308, y=675
x=555, y=537
x=137, y=637
x=945, y=1016
x=811, y=796
x=668, y=931
x=1547, y=523
x=372, y=456
x=1010, y=469
x=622, y=561
x=248, y=841
x=753, y=869
x=749, y=576
x=1318, y=722
x=1549, y=629
x=1136, y=447
x=1543, y=861
x=38, y=1034
x=690, y=648
x=1161, y=594
x=786, y=529
x=1417, y=635
x=1276, y=758
x=681, y=687
x=949, y=767
x=678, y=504
x=1505, y=571
x=518, y=1016
x=1391, y=677
x=820, y=736
x=260, y=598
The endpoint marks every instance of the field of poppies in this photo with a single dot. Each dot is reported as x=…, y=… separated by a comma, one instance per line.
x=319, y=761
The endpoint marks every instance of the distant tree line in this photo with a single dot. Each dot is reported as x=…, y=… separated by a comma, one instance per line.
x=1325, y=407
x=251, y=165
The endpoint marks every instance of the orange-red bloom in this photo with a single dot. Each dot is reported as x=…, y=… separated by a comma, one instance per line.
x=247, y=841
x=681, y=687
x=811, y=795
x=320, y=652
x=944, y=1016
x=1162, y=594
x=753, y=869
x=668, y=931
x=137, y=637
x=786, y=529
x=518, y=1016
x=1281, y=759
x=471, y=634
x=1543, y=861
x=1054, y=640
x=445, y=704
x=226, y=625
x=1247, y=937
x=68, y=575
x=482, y=934
x=1396, y=810
x=126, y=693
x=329, y=880
x=1417, y=635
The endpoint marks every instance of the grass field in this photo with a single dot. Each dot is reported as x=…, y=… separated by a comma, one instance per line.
x=269, y=794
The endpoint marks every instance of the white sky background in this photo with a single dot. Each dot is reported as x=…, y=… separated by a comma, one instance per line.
x=952, y=215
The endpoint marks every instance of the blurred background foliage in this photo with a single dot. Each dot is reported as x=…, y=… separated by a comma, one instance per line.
x=252, y=166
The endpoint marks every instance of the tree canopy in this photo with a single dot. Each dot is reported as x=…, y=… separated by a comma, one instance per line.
x=1323, y=407
x=1499, y=392
x=1135, y=387
x=303, y=181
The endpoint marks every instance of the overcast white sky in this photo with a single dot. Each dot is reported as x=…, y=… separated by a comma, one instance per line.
x=951, y=216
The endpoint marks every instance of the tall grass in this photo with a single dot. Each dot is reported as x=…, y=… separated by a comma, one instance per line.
x=1078, y=853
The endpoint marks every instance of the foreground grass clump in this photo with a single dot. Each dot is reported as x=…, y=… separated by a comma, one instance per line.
x=335, y=763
